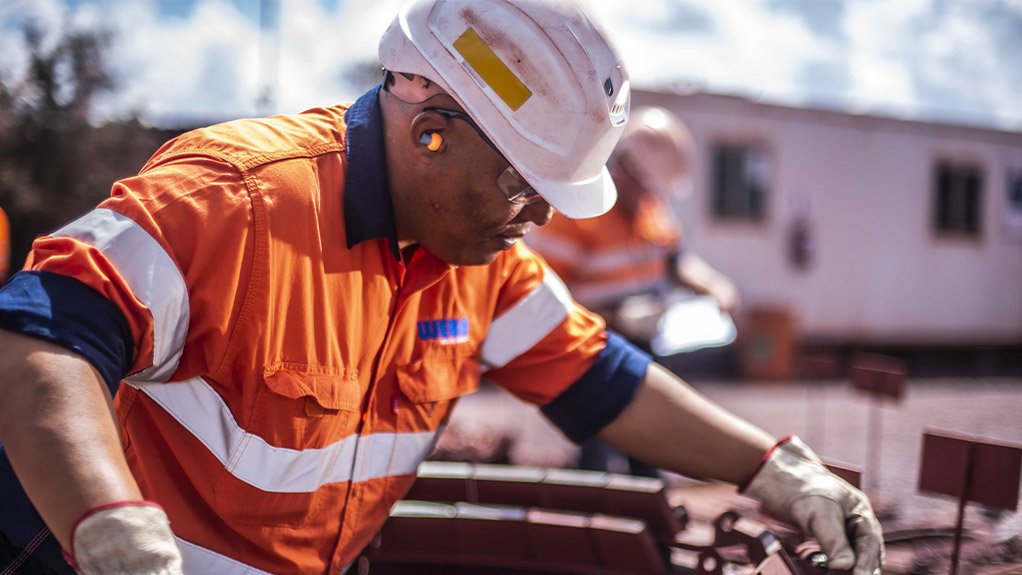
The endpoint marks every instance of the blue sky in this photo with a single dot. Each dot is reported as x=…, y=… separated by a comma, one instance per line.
x=186, y=61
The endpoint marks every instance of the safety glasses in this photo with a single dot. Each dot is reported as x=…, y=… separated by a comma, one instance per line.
x=510, y=182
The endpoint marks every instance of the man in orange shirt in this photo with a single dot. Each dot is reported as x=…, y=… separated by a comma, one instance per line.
x=285, y=311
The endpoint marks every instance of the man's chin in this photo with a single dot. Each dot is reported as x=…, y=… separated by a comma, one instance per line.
x=476, y=254
x=477, y=258
x=480, y=260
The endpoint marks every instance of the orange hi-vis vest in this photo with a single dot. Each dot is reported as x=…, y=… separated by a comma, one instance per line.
x=607, y=258
x=284, y=385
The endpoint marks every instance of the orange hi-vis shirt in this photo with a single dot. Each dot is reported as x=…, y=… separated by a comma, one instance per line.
x=290, y=371
x=609, y=257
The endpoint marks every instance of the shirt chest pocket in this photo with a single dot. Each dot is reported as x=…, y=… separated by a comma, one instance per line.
x=302, y=407
x=430, y=385
x=296, y=452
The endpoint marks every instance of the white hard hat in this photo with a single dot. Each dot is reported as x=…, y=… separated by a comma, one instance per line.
x=656, y=149
x=539, y=76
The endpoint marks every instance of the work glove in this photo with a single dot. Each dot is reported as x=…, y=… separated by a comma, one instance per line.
x=794, y=485
x=125, y=538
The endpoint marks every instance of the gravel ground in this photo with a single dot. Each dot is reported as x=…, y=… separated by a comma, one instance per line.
x=831, y=416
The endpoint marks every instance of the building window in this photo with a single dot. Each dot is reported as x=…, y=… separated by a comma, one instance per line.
x=1013, y=215
x=741, y=177
x=958, y=199
x=1015, y=190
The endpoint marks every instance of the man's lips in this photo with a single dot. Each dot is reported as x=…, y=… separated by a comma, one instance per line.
x=515, y=233
x=511, y=236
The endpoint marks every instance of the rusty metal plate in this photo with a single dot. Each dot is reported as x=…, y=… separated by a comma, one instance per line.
x=995, y=478
x=821, y=365
x=992, y=470
x=878, y=375
x=851, y=475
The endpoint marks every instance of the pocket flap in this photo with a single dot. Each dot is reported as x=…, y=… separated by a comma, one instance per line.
x=329, y=390
x=438, y=377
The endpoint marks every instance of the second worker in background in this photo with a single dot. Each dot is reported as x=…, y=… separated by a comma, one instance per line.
x=637, y=248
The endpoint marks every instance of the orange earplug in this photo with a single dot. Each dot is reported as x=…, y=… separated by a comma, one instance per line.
x=432, y=141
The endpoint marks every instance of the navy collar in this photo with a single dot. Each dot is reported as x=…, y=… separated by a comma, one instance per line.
x=368, y=210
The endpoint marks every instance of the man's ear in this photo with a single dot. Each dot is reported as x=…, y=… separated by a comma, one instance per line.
x=427, y=132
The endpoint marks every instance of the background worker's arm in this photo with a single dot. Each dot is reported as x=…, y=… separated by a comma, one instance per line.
x=695, y=273
x=671, y=425
x=57, y=427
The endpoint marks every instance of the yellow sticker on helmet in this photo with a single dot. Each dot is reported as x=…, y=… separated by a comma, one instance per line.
x=491, y=69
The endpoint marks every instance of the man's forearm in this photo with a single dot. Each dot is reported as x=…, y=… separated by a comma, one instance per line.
x=670, y=425
x=695, y=273
x=58, y=429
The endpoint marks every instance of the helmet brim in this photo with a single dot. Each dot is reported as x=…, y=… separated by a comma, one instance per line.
x=579, y=200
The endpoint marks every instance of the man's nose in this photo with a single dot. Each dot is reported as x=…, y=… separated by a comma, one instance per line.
x=538, y=212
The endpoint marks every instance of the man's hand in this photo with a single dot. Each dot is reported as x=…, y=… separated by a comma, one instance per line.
x=127, y=538
x=794, y=485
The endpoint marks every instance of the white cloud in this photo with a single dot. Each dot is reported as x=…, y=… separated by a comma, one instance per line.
x=47, y=14
x=940, y=60
x=745, y=48
x=877, y=46
x=203, y=66
x=318, y=47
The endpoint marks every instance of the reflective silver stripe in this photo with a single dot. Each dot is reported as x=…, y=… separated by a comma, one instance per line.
x=201, y=410
x=557, y=249
x=151, y=274
x=528, y=321
x=387, y=454
x=603, y=293
x=553, y=248
x=201, y=561
x=623, y=258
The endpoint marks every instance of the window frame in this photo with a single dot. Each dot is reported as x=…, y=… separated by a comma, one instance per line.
x=966, y=222
x=763, y=212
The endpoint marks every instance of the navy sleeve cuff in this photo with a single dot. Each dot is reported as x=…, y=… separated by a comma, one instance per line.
x=65, y=311
x=602, y=393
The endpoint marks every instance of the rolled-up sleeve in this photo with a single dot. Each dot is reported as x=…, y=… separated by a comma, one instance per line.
x=602, y=393
x=64, y=311
x=547, y=349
